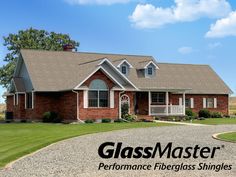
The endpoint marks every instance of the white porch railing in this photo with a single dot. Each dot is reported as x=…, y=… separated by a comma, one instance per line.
x=162, y=110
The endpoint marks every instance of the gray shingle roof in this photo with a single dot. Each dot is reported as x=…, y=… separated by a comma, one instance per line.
x=59, y=70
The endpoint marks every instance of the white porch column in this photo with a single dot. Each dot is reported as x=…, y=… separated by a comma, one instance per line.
x=149, y=103
x=167, y=103
x=184, y=103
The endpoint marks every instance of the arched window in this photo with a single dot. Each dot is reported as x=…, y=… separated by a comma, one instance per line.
x=98, y=94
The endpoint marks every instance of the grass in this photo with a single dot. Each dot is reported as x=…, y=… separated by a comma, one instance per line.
x=228, y=136
x=19, y=139
x=215, y=121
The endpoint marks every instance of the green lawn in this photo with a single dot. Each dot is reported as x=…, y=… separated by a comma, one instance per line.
x=228, y=136
x=20, y=139
x=215, y=121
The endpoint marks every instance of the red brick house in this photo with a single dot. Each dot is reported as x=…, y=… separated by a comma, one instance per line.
x=80, y=85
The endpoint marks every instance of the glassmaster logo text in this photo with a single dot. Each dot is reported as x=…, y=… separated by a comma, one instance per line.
x=109, y=150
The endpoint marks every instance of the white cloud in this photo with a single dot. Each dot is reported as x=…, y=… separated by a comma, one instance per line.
x=223, y=27
x=99, y=2
x=149, y=16
x=185, y=50
x=214, y=45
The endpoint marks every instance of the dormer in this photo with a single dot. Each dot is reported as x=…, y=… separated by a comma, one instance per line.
x=150, y=69
x=124, y=67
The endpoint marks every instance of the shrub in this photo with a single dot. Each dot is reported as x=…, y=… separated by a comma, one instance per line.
x=130, y=117
x=89, y=121
x=51, y=117
x=106, y=120
x=189, y=112
x=216, y=115
x=157, y=118
x=119, y=121
x=23, y=121
x=204, y=113
x=124, y=109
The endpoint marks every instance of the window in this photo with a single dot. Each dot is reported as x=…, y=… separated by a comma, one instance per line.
x=187, y=103
x=98, y=94
x=210, y=103
x=29, y=100
x=149, y=71
x=124, y=70
x=158, y=98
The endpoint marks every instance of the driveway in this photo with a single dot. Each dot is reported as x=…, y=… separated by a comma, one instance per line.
x=79, y=157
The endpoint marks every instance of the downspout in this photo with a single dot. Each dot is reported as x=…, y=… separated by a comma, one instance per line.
x=77, y=106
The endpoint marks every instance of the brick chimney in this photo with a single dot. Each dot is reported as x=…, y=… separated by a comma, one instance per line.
x=68, y=47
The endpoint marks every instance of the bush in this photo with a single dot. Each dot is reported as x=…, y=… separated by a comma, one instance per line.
x=189, y=112
x=119, y=121
x=216, y=115
x=204, y=113
x=130, y=117
x=124, y=109
x=23, y=121
x=106, y=120
x=51, y=117
x=157, y=118
x=89, y=121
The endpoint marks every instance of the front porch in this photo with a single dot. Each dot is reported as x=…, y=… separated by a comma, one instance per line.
x=153, y=103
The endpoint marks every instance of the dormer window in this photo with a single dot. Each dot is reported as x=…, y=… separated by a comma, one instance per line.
x=124, y=69
x=150, y=71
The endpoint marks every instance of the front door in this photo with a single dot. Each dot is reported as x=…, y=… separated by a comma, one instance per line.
x=141, y=106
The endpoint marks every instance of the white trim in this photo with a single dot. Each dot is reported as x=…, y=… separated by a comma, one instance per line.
x=180, y=101
x=149, y=103
x=184, y=103
x=32, y=100
x=85, y=95
x=204, y=103
x=191, y=102
x=156, y=67
x=123, y=62
x=215, y=102
x=14, y=99
x=100, y=67
x=167, y=103
x=118, y=71
x=25, y=101
x=112, y=99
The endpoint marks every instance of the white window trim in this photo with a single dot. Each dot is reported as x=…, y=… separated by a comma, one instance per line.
x=32, y=99
x=215, y=103
x=204, y=102
x=112, y=99
x=191, y=102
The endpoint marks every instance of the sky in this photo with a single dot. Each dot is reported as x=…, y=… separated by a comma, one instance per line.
x=172, y=31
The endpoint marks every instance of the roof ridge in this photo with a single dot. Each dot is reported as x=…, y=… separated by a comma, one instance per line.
x=183, y=64
x=78, y=52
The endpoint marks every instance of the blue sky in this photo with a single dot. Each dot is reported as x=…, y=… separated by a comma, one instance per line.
x=179, y=31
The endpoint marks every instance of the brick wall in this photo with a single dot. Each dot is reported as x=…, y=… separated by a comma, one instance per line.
x=222, y=102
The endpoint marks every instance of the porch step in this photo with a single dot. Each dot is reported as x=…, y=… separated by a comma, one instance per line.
x=145, y=117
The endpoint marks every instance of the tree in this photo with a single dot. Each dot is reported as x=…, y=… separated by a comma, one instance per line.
x=30, y=39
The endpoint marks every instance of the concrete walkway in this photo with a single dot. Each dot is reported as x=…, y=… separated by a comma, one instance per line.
x=180, y=123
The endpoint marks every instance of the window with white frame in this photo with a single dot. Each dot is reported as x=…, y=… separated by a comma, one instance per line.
x=29, y=100
x=209, y=102
x=98, y=94
x=158, y=97
x=124, y=69
x=150, y=70
x=187, y=102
